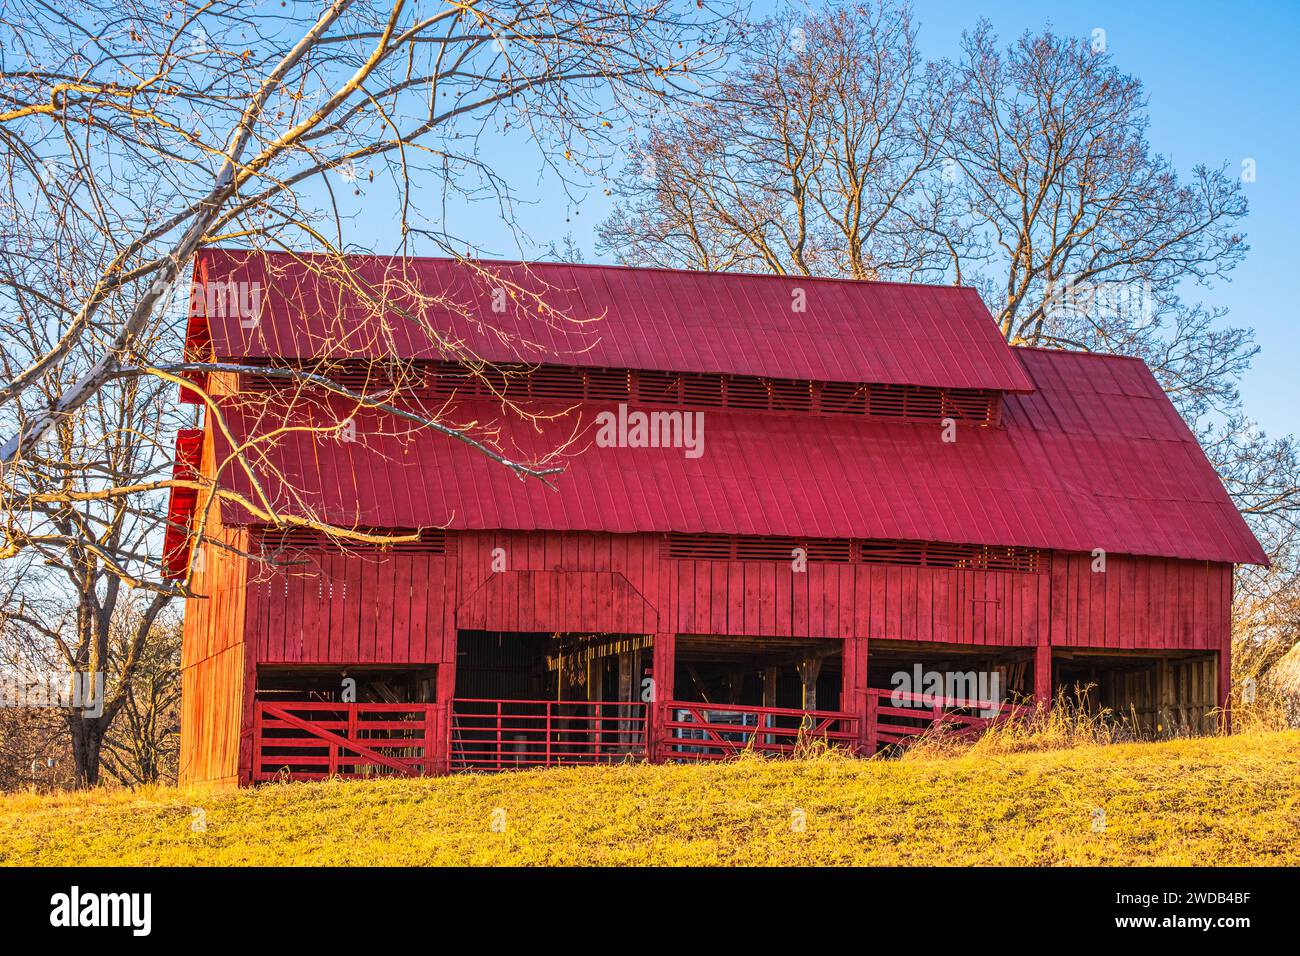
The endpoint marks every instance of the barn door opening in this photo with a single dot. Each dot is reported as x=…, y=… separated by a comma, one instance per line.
x=1170, y=695
x=958, y=690
x=542, y=700
x=312, y=723
x=766, y=695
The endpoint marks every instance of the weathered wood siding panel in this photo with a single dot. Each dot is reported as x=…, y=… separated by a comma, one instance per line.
x=213, y=660
x=212, y=693
x=387, y=608
x=352, y=609
x=1140, y=603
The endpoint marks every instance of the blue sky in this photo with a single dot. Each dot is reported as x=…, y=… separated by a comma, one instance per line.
x=1222, y=83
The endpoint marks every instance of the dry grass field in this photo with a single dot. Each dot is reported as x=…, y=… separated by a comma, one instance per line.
x=1204, y=801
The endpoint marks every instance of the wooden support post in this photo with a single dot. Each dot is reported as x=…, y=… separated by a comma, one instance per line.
x=445, y=684
x=1224, y=688
x=246, y=777
x=853, y=688
x=871, y=740
x=248, y=696
x=809, y=670
x=431, y=737
x=629, y=667
x=770, y=677
x=1043, y=676
x=665, y=665
x=735, y=684
x=1165, y=686
x=629, y=691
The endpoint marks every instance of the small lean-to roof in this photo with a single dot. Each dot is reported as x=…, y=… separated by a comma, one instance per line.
x=603, y=316
x=1095, y=456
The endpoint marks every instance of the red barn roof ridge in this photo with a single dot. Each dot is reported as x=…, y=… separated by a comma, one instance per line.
x=692, y=322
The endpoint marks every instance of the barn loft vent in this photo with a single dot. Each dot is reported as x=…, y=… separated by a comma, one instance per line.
x=270, y=541
x=442, y=380
x=916, y=554
x=913, y=403
x=363, y=378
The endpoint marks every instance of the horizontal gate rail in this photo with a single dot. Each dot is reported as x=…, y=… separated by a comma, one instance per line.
x=698, y=731
x=516, y=734
x=316, y=740
x=898, y=718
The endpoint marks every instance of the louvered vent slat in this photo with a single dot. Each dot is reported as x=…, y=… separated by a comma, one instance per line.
x=791, y=396
x=658, y=388
x=446, y=380
x=843, y=398
x=271, y=542
x=916, y=554
x=765, y=549
x=556, y=381
x=611, y=384
x=745, y=391
x=703, y=391
x=887, y=401
x=249, y=382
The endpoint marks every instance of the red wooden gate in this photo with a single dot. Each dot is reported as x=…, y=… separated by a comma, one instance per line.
x=697, y=731
x=897, y=718
x=509, y=734
x=317, y=740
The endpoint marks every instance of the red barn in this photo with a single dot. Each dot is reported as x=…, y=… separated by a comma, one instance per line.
x=789, y=507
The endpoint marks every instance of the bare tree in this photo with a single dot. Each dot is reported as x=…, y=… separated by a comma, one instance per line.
x=82, y=598
x=832, y=148
x=135, y=135
x=130, y=727
x=1084, y=237
x=1263, y=477
x=813, y=156
x=35, y=749
x=143, y=745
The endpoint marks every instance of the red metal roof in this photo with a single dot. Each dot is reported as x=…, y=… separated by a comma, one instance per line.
x=613, y=317
x=1094, y=457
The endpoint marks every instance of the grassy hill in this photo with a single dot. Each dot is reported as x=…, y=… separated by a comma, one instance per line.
x=1207, y=801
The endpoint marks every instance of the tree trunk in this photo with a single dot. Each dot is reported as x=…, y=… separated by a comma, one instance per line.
x=87, y=741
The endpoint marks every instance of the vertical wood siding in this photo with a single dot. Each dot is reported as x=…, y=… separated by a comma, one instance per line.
x=352, y=608
x=390, y=608
x=214, y=657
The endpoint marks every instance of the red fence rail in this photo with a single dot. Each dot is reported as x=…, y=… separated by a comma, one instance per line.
x=697, y=731
x=509, y=734
x=895, y=718
x=317, y=740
